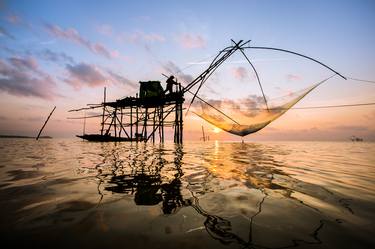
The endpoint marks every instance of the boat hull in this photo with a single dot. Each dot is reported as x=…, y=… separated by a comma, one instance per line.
x=104, y=138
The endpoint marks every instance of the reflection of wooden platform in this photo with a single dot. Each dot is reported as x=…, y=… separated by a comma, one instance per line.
x=104, y=138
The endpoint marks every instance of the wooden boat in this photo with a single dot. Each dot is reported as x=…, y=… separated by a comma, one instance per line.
x=104, y=138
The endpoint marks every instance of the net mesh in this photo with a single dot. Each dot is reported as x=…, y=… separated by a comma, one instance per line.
x=245, y=116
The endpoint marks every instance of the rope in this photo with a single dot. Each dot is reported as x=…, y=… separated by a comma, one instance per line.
x=313, y=107
x=334, y=106
x=191, y=65
x=367, y=81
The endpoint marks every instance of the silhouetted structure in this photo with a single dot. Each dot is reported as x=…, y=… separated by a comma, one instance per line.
x=141, y=118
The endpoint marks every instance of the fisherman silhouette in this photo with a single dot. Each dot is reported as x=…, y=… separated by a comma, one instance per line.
x=170, y=82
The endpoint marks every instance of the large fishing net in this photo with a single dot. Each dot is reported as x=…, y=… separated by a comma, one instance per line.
x=245, y=116
x=249, y=114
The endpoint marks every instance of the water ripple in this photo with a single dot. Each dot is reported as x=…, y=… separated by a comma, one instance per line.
x=211, y=195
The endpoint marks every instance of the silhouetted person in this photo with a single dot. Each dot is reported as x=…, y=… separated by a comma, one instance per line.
x=170, y=82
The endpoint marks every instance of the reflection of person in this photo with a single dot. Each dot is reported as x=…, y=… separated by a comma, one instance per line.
x=172, y=197
x=170, y=82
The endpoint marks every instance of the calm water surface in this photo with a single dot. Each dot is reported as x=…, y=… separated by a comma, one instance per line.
x=72, y=194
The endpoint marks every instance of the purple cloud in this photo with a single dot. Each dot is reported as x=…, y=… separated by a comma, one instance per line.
x=73, y=35
x=240, y=73
x=55, y=57
x=246, y=106
x=172, y=68
x=22, y=77
x=192, y=41
x=14, y=19
x=119, y=79
x=27, y=63
x=140, y=36
x=293, y=77
x=4, y=32
x=84, y=74
x=105, y=29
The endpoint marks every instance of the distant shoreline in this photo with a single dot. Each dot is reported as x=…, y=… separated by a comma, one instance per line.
x=15, y=136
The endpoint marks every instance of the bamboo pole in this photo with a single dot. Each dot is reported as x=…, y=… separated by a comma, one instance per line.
x=84, y=125
x=103, y=111
x=45, y=123
x=115, y=123
x=153, y=126
x=181, y=123
x=131, y=123
x=162, y=124
x=137, y=124
x=144, y=133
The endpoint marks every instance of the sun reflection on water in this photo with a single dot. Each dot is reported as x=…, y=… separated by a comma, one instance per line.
x=208, y=195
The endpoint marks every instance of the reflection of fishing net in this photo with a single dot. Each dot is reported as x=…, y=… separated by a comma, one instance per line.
x=244, y=116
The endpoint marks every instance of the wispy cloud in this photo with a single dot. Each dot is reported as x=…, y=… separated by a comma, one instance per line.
x=56, y=57
x=191, y=41
x=350, y=127
x=28, y=63
x=48, y=42
x=105, y=29
x=14, y=19
x=139, y=36
x=4, y=32
x=245, y=107
x=87, y=75
x=293, y=77
x=31, y=119
x=73, y=35
x=130, y=37
x=172, y=68
x=119, y=79
x=206, y=62
x=240, y=73
x=22, y=77
x=83, y=74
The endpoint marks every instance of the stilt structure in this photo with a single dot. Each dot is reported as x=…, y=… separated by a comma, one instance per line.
x=141, y=118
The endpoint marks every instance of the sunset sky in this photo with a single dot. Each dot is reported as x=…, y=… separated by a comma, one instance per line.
x=62, y=53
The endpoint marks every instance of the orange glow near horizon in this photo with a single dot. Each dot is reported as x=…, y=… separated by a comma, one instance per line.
x=216, y=130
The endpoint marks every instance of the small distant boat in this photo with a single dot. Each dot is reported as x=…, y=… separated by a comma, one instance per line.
x=356, y=139
x=104, y=138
